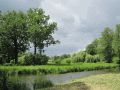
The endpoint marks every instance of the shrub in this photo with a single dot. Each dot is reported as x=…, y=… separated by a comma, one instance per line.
x=68, y=60
x=96, y=58
x=80, y=57
x=92, y=58
x=21, y=60
x=40, y=59
x=28, y=59
x=88, y=58
x=37, y=59
x=58, y=61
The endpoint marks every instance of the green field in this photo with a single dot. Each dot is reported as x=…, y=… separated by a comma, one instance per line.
x=48, y=69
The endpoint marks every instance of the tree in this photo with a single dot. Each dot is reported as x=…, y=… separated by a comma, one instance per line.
x=116, y=42
x=105, y=45
x=92, y=48
x=40, y=29
x=14, y=33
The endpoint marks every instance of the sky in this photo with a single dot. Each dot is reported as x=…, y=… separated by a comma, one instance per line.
x=79, y=21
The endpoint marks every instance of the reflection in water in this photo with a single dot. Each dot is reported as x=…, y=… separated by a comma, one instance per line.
x=8, y=82
x=33, y=82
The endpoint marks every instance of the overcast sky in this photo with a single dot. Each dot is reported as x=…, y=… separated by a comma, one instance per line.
x=79, y=21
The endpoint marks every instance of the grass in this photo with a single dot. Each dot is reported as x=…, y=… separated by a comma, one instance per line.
x=72, y=86
x=48, y=69
x=109, y=81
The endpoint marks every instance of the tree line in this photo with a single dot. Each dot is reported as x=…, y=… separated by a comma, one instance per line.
x=107, y=46
x=20, y=29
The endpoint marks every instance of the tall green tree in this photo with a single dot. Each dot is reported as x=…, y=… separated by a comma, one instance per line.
x=14, y=33
x=105, y=45
x=41, y=29
x=116, y=42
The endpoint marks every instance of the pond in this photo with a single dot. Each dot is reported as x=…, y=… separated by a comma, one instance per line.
x=33, y=82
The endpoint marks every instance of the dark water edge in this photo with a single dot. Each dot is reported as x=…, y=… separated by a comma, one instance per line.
x=33, y=82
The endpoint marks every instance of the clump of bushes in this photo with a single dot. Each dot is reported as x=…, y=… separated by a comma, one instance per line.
x=68, y=60
x=92, y=58
x=58, y=61
x=84, y=57
x=80, y=57
x=31, y=59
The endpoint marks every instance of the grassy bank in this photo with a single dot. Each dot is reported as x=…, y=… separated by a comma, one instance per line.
x=48, y=69
x=97, y=82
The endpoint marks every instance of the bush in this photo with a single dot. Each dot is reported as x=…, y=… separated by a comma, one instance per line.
x=92, y=58
x=68, y=60
x=58, y=61
x=21, y=60
x=115, y=60
x=80, y=57
x=88, y=58
x=37, y=59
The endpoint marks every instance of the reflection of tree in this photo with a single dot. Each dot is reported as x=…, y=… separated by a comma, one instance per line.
x=3, y=81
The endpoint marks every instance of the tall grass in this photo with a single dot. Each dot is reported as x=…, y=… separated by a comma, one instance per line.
x=48, y=69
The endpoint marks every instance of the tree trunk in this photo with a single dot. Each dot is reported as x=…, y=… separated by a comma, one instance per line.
x=119, y=59
x=16, y=51
x=35, y=48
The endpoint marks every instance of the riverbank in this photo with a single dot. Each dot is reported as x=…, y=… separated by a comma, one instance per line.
x=109, y=81
x=56, y=69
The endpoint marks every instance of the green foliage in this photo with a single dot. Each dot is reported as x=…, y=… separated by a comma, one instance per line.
x=37, y=59
x=68, y=60
x=79, y=57
x=21, y=59
x=92, y=48
x=116, y=43
x=105, y=45
x=40, y=29
x=92, y=59
x=19, y=29
x=13, y=34
x=57, y=62
x=115, y=59
x=64, y=56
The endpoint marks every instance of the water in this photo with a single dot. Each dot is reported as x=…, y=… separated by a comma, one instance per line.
x=65, y=78
x=33, y=82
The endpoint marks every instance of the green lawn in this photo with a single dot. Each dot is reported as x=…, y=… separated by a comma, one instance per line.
x=47, y=69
